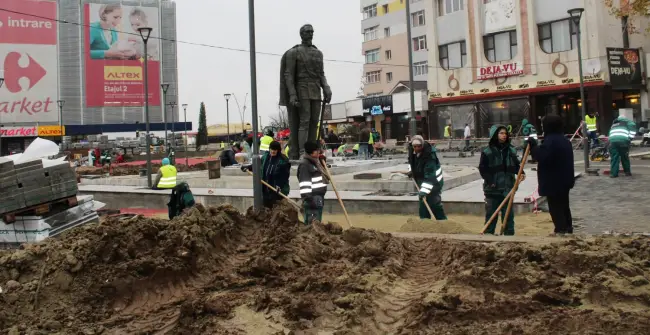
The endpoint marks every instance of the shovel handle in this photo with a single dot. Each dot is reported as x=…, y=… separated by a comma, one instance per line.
x=424, y=200
x=279, y=193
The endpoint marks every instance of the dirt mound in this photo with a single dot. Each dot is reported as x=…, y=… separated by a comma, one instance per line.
x=216, y=271
x=432, y=226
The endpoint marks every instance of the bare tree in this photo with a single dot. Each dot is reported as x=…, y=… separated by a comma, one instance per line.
x=280, y=120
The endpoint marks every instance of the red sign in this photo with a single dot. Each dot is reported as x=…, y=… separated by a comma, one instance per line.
x=18, y=131
x=115, y=55
x=497, y=71
x=29, y=58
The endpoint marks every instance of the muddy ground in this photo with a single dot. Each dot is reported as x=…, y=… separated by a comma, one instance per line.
x=217, y=271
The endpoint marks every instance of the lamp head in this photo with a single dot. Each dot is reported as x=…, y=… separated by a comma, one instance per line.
x=145, y=32
x=576, y=14
x=164, y=87
x=227, y=96
x=172, y=103
x=184, y=106
x=2, y=81
x=60, y=103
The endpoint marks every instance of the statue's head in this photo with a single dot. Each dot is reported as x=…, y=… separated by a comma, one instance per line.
x=307, y=33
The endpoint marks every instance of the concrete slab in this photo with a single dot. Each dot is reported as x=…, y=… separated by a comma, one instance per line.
x=454, y=177
x=466, y=198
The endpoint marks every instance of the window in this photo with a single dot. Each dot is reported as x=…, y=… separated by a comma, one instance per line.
x=370, y=34
x=420, y=68
x=388, y=55
x=370, y=11
x=420, y=43
x=385, y=8
x=372, y=56
x=389, y=77
x=373, y=77
x=558, y=36
x=417, y=18
x=452, y=55
x=449, y=6
x=387, y=32
x=500, y=46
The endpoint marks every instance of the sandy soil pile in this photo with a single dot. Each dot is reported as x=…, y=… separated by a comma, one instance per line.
x=127, y=170
x=220, y=272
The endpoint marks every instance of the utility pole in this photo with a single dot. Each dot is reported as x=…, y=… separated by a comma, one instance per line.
x=410, y=48
x=257, y=185
x=61, y=103
x=145, y=32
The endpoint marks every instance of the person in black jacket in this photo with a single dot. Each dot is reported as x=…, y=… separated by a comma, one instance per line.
x=312, y=181
x=555, y=172
x=276, y=170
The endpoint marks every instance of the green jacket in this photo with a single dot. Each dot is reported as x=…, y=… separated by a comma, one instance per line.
x=276, y=175
x=622, y=131
x=499, y=165
x=180, y=199
x=527, y=129
x=426, y=169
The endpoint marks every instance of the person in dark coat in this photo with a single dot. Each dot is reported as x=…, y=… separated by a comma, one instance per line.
x=227, y=156
x=555, y=171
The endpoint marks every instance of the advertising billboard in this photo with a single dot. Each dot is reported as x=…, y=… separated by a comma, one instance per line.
x=29, y=61
x=624, y=67
x=114, y=55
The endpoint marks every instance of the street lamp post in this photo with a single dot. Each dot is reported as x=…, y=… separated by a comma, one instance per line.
x=576, y=15
x=172, y=147
x=257, y=185
x=2, y=81
x=145, y=32
x=410, y=54
x=61, y=103
x=227, y=97
x=165, y=87
x=185, y=123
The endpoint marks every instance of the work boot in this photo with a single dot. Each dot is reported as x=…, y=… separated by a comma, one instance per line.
x=628, y=174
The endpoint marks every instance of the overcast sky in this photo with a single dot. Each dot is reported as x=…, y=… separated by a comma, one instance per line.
x=206, y=73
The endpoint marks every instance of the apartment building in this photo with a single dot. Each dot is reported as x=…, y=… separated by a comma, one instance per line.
x=385, y=43
x=500, y=61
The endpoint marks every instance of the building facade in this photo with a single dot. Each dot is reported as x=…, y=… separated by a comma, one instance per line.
x=87, y=54
x=385, y=43
x=502, y=61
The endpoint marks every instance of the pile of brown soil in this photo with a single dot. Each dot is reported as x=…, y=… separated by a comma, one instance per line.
x=216, y=271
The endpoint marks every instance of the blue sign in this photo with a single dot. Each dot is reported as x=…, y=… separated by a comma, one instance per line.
x=376, y=110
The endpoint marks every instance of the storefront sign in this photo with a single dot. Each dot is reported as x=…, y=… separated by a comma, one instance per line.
x=44, y=131
x=516, y=87
x=497, y=71
x=378, y=105
x=18, y=131
x=624, y=67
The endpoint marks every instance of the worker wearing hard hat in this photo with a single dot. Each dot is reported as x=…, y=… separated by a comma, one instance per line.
x=166, y=177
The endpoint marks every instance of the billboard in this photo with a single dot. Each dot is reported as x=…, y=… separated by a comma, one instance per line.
x=114, y=55
x=29, y=61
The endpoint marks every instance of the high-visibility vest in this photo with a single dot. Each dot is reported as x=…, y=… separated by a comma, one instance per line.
x=371, y=139
x=356, y=147
x=447, y=131
x=286, y=150
x=168, y=179
x=265, y=142
x=591, y=123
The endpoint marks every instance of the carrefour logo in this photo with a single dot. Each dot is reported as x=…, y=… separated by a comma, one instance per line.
x=14, y=72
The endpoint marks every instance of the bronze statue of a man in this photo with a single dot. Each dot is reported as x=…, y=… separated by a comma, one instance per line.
x=302, y=77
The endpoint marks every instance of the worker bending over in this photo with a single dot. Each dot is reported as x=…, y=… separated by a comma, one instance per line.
x=620, y=137
x=499, y=166
x=227, y=156
x=312, y=181
x=180, y=201
x=166, y=177
x=276, y=170
x=426, y=169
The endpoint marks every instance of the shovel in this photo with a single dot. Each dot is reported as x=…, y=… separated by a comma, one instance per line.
x=329, y=177
x=280, y=193
x=424, y=200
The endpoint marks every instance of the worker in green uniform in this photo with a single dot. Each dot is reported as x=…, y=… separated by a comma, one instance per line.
x=529, y=131
x=425, y=168
x=498, y=167
x=620, y=137
x=180, y=200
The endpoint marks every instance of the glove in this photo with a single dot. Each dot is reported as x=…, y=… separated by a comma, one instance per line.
x=278, y=189
x=246, y=168
x=532, y=141
x=410, y=175
x=422, y=195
